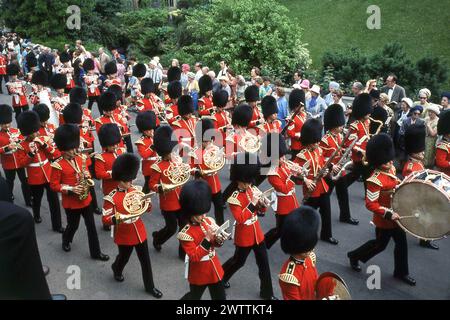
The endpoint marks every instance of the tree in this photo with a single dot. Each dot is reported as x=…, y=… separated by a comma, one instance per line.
x=246, y=33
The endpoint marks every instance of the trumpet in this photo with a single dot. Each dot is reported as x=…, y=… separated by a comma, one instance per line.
x=297, y=170
x=260, y=197
x=219, y=232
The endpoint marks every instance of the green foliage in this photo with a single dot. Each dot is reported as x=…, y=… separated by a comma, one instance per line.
x=246, y=33
x=353, y=65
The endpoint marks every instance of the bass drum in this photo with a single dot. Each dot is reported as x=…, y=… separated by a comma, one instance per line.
x=330, y=286
x=423, y=202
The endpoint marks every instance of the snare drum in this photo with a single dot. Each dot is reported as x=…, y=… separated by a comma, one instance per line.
x=423, y=202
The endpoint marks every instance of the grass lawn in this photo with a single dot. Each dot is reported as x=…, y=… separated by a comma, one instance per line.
x=422, y=27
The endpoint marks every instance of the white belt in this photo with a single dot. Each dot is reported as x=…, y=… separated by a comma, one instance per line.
x=204, y=258
x=152, y=158
x=208, y=256
x=38, y=164
x=251, y=221
x=186, y=139
x=290, y=193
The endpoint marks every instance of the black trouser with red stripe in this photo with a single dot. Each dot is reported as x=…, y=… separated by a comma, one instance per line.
x=172, y=218
x=323, y=204
x=373, y=247
x=216, y=290
x=144, y=259
x=342, y=196
x=274, y=234
x=37, y=191
x=10, y=176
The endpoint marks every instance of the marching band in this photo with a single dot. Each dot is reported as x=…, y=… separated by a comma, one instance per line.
x=176, y=144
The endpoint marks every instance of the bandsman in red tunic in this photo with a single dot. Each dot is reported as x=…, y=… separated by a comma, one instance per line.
x=380, y=186
x=47, y=129
x=121, y=111
x=79, y=95
x=169, y=194
x=221, y=117
x=111, y=76
x=71, y=178
x=17, y=89
x=359, y=131
x=312, y=160
x=246, y=208
x=205, y=103
x=205, y=135
x=61, y=100
x=151, y=102
x=129, y=233
x=415, y=149
x=279, y=177
x=3, y=72
x=9, y=142
x=252, y=97
x=174, y=90
x=146, y=124
x=40, y=93
x=270, y=111
x=443, y=147
x=334, y=121
x=35, y=153
x=134, y=85
x=91, y=79
x=173, y=74
x=73, y=114
x=184, y=126
x=199, y=241
x=294, y=127
x=66, y=69
x=298, y=275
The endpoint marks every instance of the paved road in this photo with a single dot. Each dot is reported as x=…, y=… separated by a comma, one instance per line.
x=429, y=267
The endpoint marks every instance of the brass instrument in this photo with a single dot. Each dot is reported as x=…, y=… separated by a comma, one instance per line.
x=84, y=179
x=178, y=174
x=219, y=232
x=380, y=125
x=250, y=143
x=214, y=159
x=298, y=170
x=260, y=197
x=136, y=203
x=344, y=162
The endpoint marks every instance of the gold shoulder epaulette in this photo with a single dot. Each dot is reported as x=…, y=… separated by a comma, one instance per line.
x=234, y=199
x=374, y=179
x=301, y=155
x=325, y=139
x=288, y=276
x=110, y=197
x=183, y=235
x=140, y=141
x=176, y=123
x=99, y=157
x=99, y=120
x=444, y=146
x=56, y=165
x=313, y=257
x=156, y=167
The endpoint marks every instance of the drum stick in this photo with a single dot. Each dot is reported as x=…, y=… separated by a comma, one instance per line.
x=417, y=215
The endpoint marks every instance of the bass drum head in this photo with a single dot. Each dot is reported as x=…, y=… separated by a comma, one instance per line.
x=330, y=286
x=429, y=208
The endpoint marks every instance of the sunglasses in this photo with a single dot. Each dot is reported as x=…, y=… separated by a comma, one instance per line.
x=422, y=97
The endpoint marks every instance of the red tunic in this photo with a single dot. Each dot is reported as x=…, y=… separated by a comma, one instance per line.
x=148, y=155
x=103, y=169
x=412, y=165
x=168, y=201
x=8, y=157
x=18, y=90
x=68, y=71
x=204, y=265
x=380, y=187
x=273, y=127
x=280, y=179
x=109, y=82
x=234, y=142
x=222, y=122
x=360, y=131
x=38, y=166
x=257, y=118
x=205, y=106
x=66, y=174
x=329, y=144
x=3, y=64
x=92, y=83
x=316, y=162
x=128, y=233
x=248, y=231
x=443, y=157
x=184, y=130
x=115, y=118
x=213, y=178
x=294, y=131
x=172, y=113
x=298, y=279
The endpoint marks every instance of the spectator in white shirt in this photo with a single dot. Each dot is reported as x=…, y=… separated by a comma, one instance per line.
x=198, y=71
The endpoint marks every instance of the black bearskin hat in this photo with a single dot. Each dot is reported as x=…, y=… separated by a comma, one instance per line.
x=174, y=89
x=311, y=132
x=443, y=126
x=163, y=143
x=195, y=198
x=12, y=69
x=109, y=135
x=269, y=106
x=296, y=98
x=108, y=101
x=78, y=95
x=117, y=90
x=415, y=139
x=333, y=117
x=147, y=86
x=73, y=113
x=5, y=114
x=88, y=64
x=378, y=113
x=271, y=144
x=40, y=78
x=242, y=115
x=220, y=98
x=185, y=105
x=67, y=137
x=28, y=123
x=139, y=70
x=110, y=68
x=31, y=61
x=58, y=81
x=202, y=127
x=380, y=150
x=362, y=106
x=300, y=231
x=205, y=84
x=64, y=57
x=251, y=94
x=125, y=167
x=173, y=74
x=146, y=121
x=245, y=167
x=43, y=111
